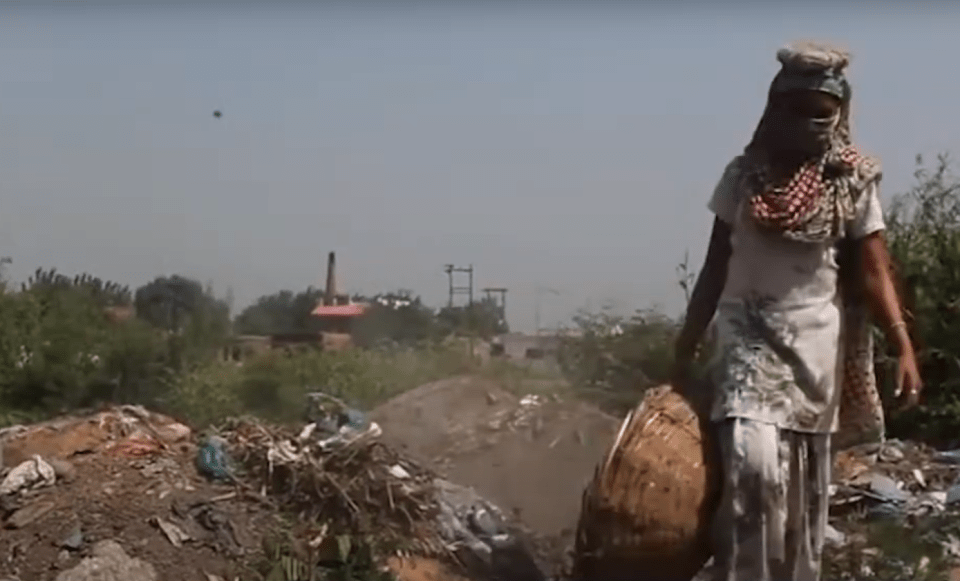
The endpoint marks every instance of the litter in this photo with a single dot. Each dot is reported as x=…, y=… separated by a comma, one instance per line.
x=34, y=473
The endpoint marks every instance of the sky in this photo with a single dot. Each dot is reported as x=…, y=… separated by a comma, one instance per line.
x=570, y=146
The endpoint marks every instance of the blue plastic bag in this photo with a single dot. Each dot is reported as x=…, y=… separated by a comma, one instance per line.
x=213, y=461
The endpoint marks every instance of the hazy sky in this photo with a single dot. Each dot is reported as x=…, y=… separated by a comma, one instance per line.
x=571, y=145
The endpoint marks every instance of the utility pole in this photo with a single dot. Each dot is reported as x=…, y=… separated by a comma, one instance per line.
x=502, y=305
x=451, y=271
x=540, y=291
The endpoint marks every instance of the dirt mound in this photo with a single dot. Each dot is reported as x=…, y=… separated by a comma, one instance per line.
x=108, y=430
x=138, y=503
x=531, y=455
x=125, y=490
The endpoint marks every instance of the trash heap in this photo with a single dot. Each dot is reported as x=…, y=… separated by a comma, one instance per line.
x=357, y=486
x=130, y=494
x=336, y=471
x=895, y=512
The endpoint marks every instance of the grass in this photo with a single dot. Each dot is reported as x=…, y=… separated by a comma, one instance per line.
x=273, y=385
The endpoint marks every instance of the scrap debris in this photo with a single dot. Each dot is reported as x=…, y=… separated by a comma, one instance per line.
x=897, y=486
x=363, y=487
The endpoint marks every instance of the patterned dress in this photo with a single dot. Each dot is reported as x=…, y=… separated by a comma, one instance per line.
x=776, y=373
x=779, y=318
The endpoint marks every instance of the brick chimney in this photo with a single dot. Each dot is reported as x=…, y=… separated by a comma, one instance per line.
x=330, y=296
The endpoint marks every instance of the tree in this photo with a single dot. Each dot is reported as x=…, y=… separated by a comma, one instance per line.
x=280, y=312
x=194, y=320
x=923, y=232
x=104, y=293
x=483, y=318
x=613, y=359
x=397, y=317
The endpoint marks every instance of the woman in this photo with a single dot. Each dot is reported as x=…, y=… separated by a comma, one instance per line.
x=772, y=279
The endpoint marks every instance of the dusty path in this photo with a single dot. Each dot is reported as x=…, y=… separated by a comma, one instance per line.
x=531, y=457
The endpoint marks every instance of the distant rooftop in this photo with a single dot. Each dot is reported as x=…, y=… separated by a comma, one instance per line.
x=348, y=310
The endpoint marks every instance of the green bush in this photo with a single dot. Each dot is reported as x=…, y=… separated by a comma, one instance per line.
x=613, y=359
x=924, y=237
x=274, y=385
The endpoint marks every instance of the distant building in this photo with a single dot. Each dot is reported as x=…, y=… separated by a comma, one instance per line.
x=336, y=312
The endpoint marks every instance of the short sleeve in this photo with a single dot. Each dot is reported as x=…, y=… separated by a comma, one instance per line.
x=867, y=213
x=725, y=202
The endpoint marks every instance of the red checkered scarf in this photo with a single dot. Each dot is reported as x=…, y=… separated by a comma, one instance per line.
x=809, y=207
x=812, y=206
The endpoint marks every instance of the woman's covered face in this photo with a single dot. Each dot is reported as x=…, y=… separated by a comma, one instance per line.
x=810, y=104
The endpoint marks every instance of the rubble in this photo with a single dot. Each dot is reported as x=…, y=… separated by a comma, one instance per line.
x=33, y=473
x=894, y=512
x=121, y=491
x=125, y=431
x=109, y=562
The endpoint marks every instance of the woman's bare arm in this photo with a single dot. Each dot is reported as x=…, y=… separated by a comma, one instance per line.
x=882, y=292
x=706, y=293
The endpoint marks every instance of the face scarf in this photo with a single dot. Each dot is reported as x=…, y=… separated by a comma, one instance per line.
x=799, y=136
x=810, y=202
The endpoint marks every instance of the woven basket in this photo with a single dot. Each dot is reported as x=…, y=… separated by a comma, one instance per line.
x=646, y=513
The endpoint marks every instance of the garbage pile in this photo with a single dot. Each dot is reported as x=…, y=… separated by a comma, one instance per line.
x=895, y=512
x=338, y=472
x=128, y=494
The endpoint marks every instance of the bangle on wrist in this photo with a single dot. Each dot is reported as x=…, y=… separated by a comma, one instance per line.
x=898, y=324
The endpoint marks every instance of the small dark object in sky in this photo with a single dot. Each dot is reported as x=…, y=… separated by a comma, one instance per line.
x=217, y=114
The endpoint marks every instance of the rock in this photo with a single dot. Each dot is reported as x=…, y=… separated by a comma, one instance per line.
x=173, y=433
x=29, y=514
x=64, y=470
x=109, y=562
x=887, y=487
x=834, y=537
x=73, y=540
x=33, y=473
x=891, y=453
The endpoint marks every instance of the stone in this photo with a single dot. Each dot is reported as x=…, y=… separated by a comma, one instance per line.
x=109, y=562
x=64, y=470
x=29, y=514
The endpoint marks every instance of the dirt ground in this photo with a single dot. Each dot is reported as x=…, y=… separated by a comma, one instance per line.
x=112, y=497
x=530, y=457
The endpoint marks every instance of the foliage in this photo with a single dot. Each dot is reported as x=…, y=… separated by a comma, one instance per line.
x=280, y=312
x=924, y=238
x=59, y=349
x=613, y=359
x=397, y=318
x=274, y=385
x=483, y=318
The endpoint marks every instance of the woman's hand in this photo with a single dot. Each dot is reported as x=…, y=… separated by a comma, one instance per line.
x=909, y=383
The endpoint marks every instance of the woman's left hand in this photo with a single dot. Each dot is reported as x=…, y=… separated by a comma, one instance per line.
x=909, y=383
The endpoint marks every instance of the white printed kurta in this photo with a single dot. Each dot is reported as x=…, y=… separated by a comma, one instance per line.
x=778, y=319
x=776, y=380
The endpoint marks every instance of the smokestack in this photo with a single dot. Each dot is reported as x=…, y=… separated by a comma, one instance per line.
x=330, y=296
